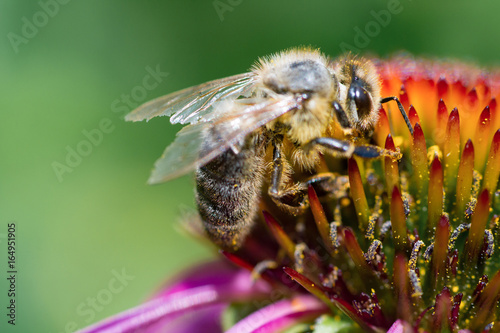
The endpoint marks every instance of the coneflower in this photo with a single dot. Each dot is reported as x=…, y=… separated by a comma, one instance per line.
x=398, y=246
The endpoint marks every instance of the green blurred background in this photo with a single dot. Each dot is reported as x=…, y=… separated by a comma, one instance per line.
x=66, y=68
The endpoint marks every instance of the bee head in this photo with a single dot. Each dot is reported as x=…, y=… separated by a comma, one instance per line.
x=305, y=75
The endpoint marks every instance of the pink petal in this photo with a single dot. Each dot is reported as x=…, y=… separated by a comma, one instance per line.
x=197, y=296
x=280, y=315
x=217, y=273
x=398, y=327
x=208, y=318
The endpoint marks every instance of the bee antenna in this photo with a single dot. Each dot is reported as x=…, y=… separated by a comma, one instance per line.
x=401, y=109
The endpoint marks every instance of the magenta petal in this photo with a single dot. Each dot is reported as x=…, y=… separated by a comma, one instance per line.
x=208, y=318
x=165, y=308
x=216, y=273
x=280, y=315
x=400, y=326
x=207, y=287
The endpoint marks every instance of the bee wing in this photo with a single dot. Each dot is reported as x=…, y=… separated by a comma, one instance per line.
x=191, y=149
x=194, y=104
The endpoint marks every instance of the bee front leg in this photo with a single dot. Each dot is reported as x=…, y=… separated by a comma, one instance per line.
x=292, y=198
x=401, y=109
x=329, y=185
x=346, y=149
x=341, y=115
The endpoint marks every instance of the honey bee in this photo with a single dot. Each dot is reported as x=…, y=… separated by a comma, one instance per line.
x=292, y=102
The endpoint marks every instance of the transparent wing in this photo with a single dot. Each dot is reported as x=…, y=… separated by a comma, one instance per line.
x=197, y=144
x=194, y=104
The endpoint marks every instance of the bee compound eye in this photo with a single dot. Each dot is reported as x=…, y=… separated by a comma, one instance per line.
x=362, y=99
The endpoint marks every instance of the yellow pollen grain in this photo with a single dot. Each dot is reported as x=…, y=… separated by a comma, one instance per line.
x=345, y=202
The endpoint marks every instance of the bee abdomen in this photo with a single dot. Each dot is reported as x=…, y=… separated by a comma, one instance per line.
x=228, y=190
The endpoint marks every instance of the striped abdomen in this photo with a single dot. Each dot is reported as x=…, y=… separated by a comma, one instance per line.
x=228, y=190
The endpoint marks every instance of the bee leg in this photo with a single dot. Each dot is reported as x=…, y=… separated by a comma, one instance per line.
x=263, y=266
x=328, y=184
x=401, y=109
x=278, y=168
x=292, y=198
x=346, y=149
x=341, y=115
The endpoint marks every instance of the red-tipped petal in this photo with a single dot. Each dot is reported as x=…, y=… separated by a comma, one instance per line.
x=320, y=218
x=281, y=236
x=309, y=285
x=401, y=284
x=486, y=303
x=403, y=97
x=358, y=194
x=237, y=260
x=482, y=139
x=419, y=160
x=390, y=167
x=442, y=312
x=459, y=89
x=475, y=240
x=455, y=310
x=440, y=254
x=413, y=116
x=435, y=194
x=355, y=251
x=441, y=122
x=398, y=221
x=383, y=128
x=442, y=87
x=332, y=302
x=464, y=178
x=492, y=171
x=472, y=98
x=451, y=155
x=495, y=117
